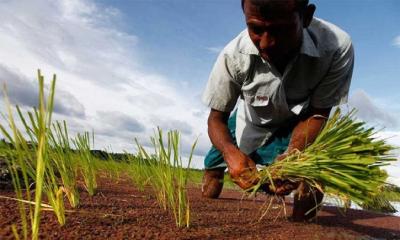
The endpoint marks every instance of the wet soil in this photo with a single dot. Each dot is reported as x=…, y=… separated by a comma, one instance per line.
x=120, y=211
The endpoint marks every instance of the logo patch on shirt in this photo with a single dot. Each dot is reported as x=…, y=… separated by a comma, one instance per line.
x=262, y=98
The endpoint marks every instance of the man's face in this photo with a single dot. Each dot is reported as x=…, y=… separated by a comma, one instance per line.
x=276, y=29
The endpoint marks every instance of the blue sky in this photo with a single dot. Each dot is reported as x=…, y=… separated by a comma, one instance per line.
x=127, y=66
x=175, y=35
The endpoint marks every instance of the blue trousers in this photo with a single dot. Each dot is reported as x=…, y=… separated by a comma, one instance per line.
x=264, y=155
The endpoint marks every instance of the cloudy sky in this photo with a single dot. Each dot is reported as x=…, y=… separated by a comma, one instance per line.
x=126, y=66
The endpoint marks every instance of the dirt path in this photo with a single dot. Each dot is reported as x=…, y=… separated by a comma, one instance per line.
x=119, y=211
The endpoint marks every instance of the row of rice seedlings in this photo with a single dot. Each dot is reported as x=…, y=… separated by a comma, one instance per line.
x=159, y=169
x=46, y=159
x=139, y=170
x=125, y=166
x=35, y=167
x=182, y=176
x=62, y=156
x=167, y=176
x=344, y=161
x=86, y=161
x=37, y=125
x=111, y=168
x=21, y=172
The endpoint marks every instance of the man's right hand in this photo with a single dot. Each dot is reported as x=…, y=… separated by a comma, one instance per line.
x=242, y=169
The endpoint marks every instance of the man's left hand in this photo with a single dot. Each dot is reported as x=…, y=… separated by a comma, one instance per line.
x=282, y=187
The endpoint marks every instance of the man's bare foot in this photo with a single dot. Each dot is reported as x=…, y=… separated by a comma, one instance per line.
x=306, y=204
x=212, y=183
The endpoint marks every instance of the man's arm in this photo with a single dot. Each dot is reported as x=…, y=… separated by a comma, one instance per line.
x=304, y=134
x=307, y=130
x=241, y=168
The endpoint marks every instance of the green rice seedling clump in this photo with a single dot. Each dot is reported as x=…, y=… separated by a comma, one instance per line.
x=39, y=152
x=62, y=157
x=86, y=161
x=166, y=174
x=32, y=161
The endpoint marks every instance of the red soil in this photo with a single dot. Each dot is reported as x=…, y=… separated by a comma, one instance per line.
x=120, y=211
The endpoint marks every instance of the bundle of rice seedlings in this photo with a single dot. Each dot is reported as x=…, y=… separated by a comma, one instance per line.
x=344, y=161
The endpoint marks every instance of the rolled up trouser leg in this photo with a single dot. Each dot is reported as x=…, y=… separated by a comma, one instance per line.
x=215, y=165
x=264, y=155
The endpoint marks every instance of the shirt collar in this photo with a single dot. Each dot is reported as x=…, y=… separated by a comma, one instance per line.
x=307, y=47
x=246, y=46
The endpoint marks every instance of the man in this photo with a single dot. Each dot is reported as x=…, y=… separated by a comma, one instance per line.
x=284, y=73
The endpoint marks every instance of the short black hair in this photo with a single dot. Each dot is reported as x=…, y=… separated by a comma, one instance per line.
x=299, y=4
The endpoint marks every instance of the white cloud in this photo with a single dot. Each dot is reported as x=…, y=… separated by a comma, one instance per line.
x=214, y=49
x=385, y=122
x=118, y=122
x=23, y=92
x=369, y=111
x=396, y=41
x=99, y=72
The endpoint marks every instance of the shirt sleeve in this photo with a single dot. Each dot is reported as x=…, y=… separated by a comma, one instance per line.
x=222, y=90
x=334, y=87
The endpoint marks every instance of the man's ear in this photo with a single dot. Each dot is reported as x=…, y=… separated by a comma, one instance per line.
x=308, y=15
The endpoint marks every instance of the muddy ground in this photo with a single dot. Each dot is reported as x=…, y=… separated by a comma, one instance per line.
x=120, y=211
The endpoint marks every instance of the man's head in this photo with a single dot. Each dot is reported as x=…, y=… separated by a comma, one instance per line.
x=276, y=26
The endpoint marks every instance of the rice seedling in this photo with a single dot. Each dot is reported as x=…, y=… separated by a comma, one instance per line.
x=62, y=157
x=110, y=167
x=182, y=213
x=167, y=176
x=344, y=161
x=40, y=123
x=35, y=167
x=114, y=168
x=19, y=175
x=46, y=159
x=86, y=161
x=139, y=170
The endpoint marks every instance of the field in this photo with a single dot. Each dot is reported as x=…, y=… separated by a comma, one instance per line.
x=120, y=211
x=55, y=186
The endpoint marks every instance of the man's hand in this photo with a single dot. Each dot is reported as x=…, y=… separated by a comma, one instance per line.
x=241, y=168
x=304, y=134
x=280, y=157
x=280, y=187
x=284, y=187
